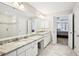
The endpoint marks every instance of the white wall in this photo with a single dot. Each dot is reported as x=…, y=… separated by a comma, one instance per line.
x=51, y=25
x=76, y=19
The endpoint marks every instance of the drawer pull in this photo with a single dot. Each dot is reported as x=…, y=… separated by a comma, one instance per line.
x=77, y=35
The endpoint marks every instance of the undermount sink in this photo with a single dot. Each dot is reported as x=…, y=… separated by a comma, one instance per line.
x=8, y=41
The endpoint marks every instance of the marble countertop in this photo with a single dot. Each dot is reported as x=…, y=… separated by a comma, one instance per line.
x=8, y=47
x=8, y=38
x=5, y=48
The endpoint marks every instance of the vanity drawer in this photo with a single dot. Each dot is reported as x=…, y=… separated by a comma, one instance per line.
x=13, y=53
x=32, y=51
x=22, y=49
x=22, y=54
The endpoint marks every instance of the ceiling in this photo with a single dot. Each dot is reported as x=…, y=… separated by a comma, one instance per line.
x=52, y=7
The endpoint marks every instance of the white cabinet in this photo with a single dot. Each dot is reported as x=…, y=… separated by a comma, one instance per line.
x=21, y=50
x=13, y=53
x=47, y=39
x=33, y=50
x=22, y=54
x=27, y=50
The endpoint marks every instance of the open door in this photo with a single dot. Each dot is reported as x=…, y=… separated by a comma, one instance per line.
x=54, y=30
x=70, y=32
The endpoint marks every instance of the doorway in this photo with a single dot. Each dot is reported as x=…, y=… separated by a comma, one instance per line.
x=62, y=30
x=69, y=33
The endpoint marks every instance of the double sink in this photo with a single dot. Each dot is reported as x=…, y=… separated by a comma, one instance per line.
x=15, y=39
x=18, y=39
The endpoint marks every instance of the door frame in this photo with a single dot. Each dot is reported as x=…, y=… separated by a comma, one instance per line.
x=73, y=31
x=68, y=32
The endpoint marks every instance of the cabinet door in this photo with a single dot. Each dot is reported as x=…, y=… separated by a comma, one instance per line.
x=28, y=52
x=46, y=40
x=33, y=50
x=28, y=49
x=49, y=38
x=11, y=54
x=22, y=54
x=22, y=49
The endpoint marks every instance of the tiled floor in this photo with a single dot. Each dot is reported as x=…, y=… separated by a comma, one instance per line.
x=57, y=50
x=63, y=41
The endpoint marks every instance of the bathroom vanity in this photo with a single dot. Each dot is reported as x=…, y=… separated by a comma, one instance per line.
x=25, y=45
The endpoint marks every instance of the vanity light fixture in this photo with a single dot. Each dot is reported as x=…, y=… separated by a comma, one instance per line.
x=41, y=16
x=15, y=4
x=21, y=7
